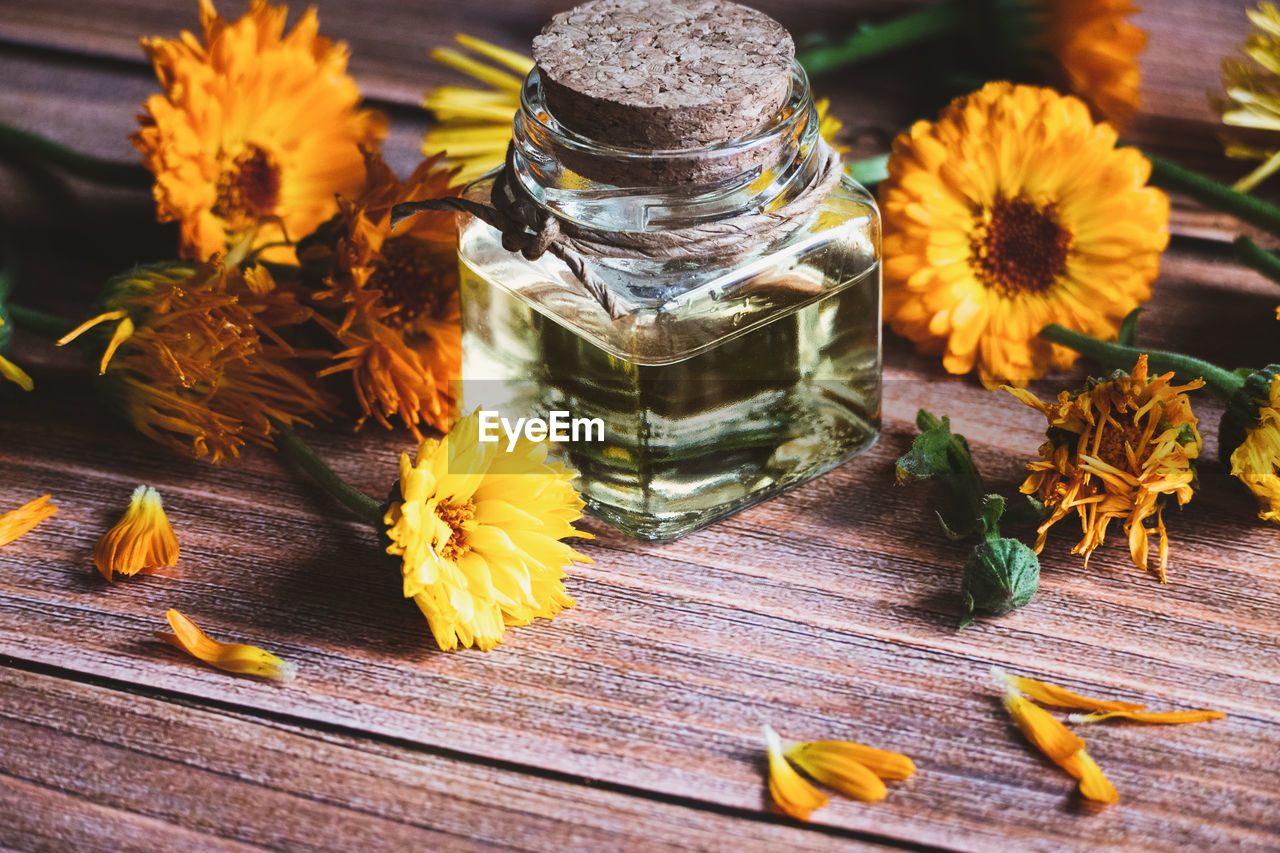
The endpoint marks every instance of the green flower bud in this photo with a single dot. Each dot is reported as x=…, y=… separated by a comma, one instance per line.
x=1001, y=575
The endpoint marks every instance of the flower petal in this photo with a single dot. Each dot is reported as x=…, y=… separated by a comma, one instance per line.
x=20, y=521
x=1060, y=697
x=834, y=767
x=232, y=657
x=886, y=765
x=1170, y=717
x=1093, y=784
x=789, y=790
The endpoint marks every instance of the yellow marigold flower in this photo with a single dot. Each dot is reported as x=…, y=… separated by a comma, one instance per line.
x=473, y=126
x=397, y=288
x=1119, y=449
x=202, y=368
x=1252, y=102
x=1092, y=51
x=1257, y=460
x=1059, y=745
x=789, y=790
x=18, y=522
x=142, y=541
x=232, y=657
x=478, y=531
x=1010, y=212
x=1167, y=717
x=256, y=130
x=1051, y=694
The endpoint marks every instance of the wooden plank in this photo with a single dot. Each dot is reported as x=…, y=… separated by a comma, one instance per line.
x=89, y=767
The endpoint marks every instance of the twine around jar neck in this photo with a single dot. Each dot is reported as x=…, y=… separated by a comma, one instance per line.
x=532, y=230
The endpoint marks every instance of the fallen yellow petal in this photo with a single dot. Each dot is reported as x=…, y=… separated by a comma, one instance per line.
x=886, y=765
x=1093, y=784
x=141, y=541
x=1060, y=697
x=1150, y=716
x=232, y=657
x=1041, y=728
x=788, y=788
x=834, y=767
x=20, y=521
x=15, y=374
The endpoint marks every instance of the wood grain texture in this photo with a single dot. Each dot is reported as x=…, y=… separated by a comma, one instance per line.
x=632, y=719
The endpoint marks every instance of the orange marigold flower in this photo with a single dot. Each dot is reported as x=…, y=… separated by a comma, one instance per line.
x=1119, y=449
x=18, y=522
x=256, y=130
x=397, y=289
x=202, y=367
x=1010, y=212
x=232, y=657
x=142, y=541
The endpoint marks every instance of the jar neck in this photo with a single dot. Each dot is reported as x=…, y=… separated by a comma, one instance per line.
x=607, y=188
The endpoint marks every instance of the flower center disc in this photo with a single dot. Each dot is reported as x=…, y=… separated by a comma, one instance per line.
x=1018, y=247
x=454, y=515
x=409, y=278
x=250, y=187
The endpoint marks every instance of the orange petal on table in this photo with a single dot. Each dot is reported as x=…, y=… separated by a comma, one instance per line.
x=1093, y=784
x=232, y=657
x=1151, y=716
x=1041, y=728
x=141, y=541
x=886, y=765
x=19, y=522
x=834, y=767
x=1060, y=697
x=788, y=788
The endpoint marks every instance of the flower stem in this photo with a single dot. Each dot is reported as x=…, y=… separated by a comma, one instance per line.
x=1224, y=383
x=40, y=322
x=291, y=444
x=872, y=40
x=1209, y=192
x=22, y=144
x=870, y=170
x=1251, y=254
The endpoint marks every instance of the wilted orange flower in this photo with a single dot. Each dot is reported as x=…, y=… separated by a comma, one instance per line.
x=202, y=368
x=1119, y=449
x=20, y=521
x=1013, y=211
x=232, y=657
x=142, y=541
x=256, y=130
x=397, y=289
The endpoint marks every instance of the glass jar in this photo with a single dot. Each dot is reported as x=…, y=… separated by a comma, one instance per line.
x=726, y=379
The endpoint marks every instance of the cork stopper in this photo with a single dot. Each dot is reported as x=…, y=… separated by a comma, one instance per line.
x=664, y=74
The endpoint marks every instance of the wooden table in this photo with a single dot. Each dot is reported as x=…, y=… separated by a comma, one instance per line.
x=631, y=721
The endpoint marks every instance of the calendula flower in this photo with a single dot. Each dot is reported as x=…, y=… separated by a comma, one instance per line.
x=256, y=130
x=201, y=366
x=1256, y=461
x=1252, y=102
x=232, y=657
x=1060, y=746
x=20, y=521
x=397, y=290
x=142, y=541
x=1166, y=717
x=473, y=126
x=9, y=370
x=1090, y=49
x=1120, y=449
x=1012, y=211
x=478, y=531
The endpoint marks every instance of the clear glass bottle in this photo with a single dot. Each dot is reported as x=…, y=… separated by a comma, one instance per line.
x=726, y=381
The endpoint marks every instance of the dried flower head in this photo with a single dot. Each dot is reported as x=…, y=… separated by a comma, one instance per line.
x=396, y=290
x=256, y=130
x=1013, y=211
x=142, y=541
x=18, y=522
x=196, y=361
x=1251, y=105
x=1119, y=449
x=478, y=531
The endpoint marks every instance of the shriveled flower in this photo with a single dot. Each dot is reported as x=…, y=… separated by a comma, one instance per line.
x=1010, y=212
x=478, y=531
x=18, y=522
x=9, y=370
x=473, y=126
x=256, y=130
x=142, y=541
x=1059, y=745
x=202, y=367
x=232, y=657
x=1119, y=449
x=1251, y=105
x=395, y=291
x=1256, y=461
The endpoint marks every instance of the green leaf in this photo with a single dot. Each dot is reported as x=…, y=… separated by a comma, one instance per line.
x=937, y=452
x=1129, y=328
